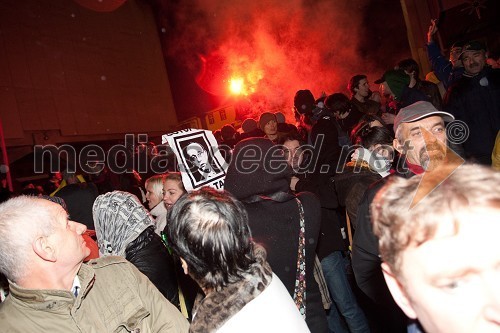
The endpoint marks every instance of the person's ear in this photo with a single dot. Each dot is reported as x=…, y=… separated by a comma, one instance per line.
x=375, y=147
x=397, y=146
x=44, y=249
x=184, y=266
x=398, y=292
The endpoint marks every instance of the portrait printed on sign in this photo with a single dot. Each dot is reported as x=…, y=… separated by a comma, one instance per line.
x=199, y=160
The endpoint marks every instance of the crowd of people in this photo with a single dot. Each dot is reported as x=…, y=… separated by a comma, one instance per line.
x=364, y=214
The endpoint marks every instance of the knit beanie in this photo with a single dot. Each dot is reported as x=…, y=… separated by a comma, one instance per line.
x=258, y=167
x=280, y=117
x=304, y=101
x=227, y=132
x=397, y=79
x=249, y=125
x=265, y=118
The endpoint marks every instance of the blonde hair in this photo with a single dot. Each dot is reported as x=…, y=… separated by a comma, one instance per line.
x=156, y=182
x=176, y=176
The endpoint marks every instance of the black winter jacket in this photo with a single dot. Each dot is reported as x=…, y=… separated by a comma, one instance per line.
x=351, y=185
x=476, y=101
x=319, y=180
x=275, y=225
x=152, y=258
x=367, y=270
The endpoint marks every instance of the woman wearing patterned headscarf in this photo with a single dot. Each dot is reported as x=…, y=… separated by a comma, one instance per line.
x=125, y=228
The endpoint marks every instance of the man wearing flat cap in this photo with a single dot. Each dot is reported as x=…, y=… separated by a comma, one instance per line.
x=421, y=141
x=475, y=100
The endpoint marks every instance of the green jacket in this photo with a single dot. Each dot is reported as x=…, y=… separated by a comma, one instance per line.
x=114, y=297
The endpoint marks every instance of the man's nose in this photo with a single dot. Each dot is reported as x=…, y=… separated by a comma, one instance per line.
x=80, y=228
x=428, y=136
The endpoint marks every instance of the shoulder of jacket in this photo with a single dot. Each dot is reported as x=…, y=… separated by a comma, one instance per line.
x=308, y=199
x=326, y=121
x=374, y=187
x=458, y=86
x=305, y=195
x=328, y=118
x=106, y=261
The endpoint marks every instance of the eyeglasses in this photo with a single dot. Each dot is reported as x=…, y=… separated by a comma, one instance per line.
x=196, y=156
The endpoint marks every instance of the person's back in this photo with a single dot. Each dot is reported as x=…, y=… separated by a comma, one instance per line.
x=274, y=215
x=331, y=247
x=148, y=253
x=274, y=312
x=272, y=221
x=430, y=90
x=209, y=231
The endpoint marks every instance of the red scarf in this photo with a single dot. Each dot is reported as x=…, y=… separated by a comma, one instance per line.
x=416, y=169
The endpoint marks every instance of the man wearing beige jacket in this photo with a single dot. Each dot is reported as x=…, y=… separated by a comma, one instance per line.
x=51, y=290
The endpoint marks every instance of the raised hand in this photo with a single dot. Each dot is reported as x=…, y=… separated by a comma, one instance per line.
x=432, y=30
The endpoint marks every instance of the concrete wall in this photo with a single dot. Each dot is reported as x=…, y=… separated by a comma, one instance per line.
x=68, y=73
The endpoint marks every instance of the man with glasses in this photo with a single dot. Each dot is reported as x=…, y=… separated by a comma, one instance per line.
x=198, y=156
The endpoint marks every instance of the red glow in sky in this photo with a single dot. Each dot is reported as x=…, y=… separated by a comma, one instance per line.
x=278, y=47
x=229, y=74
x=236, y=86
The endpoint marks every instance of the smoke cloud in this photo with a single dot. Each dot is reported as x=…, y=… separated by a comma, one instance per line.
x=277, y=47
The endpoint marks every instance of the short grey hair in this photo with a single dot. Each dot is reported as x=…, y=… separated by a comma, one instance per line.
x=22, y=220
x=399, y=134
